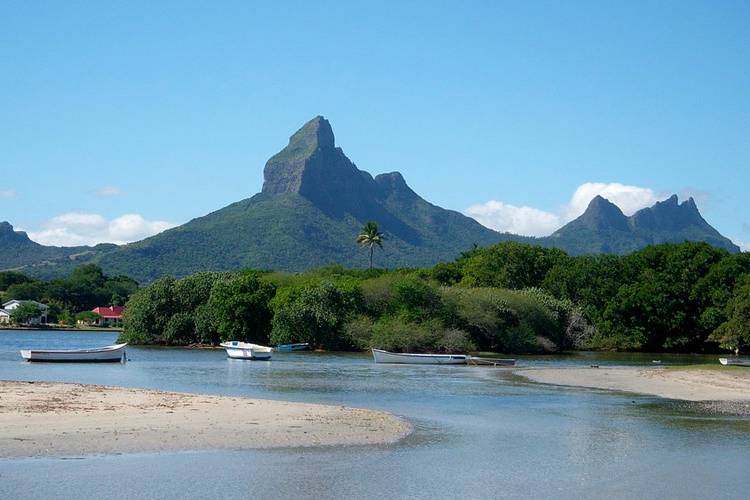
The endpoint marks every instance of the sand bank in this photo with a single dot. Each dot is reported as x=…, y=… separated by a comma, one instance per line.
x=41, y=418
x=689, y=384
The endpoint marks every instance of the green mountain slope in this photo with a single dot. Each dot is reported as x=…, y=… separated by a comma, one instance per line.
x=17, y=251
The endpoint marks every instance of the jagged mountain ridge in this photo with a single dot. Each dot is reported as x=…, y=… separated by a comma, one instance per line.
x=603, y=228
x=312, y=204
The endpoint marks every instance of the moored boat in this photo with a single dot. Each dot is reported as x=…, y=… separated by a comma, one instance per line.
x=301, y=346
x=111, y=354
x=245, y=350
x=382, y=356
x=735, y=361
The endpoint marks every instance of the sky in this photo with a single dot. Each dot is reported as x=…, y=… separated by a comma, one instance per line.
x=121, y=119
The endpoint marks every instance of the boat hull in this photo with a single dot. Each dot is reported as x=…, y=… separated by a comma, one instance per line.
x=292, y=347
x=109, y=354
x=382, y=356
x=734, y=361
x=243, y=350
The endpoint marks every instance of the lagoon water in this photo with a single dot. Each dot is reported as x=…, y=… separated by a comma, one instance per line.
x=478, y=432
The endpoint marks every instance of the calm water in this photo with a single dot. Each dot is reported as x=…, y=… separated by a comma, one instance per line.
x=479, y=433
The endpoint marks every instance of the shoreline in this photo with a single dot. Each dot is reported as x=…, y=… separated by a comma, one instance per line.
x=687, y=384
x=64, y=419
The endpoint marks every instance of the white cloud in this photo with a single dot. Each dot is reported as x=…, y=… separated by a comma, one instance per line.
x=531, y=221
x=512, y=219
x=744, y=245
x=75, y=228
x=630, y=199
x=7, y=193
x=109, y=191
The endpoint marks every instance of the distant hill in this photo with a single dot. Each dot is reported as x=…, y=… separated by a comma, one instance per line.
x=314, y=201
x=17, y=251
x=603, y=228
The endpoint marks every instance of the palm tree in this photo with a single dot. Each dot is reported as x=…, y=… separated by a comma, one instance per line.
x=369, y=237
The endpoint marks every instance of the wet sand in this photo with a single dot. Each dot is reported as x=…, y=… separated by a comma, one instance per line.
x=58, y=419
x=686, y=384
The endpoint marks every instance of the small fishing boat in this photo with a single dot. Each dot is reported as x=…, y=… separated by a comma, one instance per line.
x=244, y=350
x=735, y=361
x=111, y=354
x=382, y=356
x=302, y=346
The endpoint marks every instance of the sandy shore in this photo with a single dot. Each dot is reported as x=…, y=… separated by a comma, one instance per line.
x=688, y=384
x=41, y=418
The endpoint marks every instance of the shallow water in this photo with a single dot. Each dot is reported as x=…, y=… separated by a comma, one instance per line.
x=479, y=432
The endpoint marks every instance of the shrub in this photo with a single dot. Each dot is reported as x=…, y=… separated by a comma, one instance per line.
x=398, y=334
x=180, y=329
x=148, y=312
x=358, y=332
x=240, y=308
x=315, y=315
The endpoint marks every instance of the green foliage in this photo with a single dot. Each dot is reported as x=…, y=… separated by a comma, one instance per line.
x=240, y=308
x=734, y=333
x=667, y=297
x=24, y=313
x=8, y=278
x=416, y=299
x=398, y=334
x=87, y=317
x=509, y=265
x=358, y=332
x=315, y=314
x=85, y=288
x=370, y=237
x=180, y=329
x=148, y=312
x=205, y=321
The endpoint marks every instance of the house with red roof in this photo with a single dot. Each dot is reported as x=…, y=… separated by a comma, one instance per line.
x=109, y=316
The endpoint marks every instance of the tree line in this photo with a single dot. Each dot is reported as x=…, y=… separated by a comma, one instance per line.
x=509, y=297
x=68, y=298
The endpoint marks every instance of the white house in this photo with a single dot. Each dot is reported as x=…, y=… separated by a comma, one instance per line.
x=9, y=306
x=4, y=316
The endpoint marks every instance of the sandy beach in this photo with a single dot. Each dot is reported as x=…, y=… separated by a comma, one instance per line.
x=57, y=419
x=686, y=384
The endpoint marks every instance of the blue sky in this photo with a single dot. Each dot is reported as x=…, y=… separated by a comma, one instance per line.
x=512, y=111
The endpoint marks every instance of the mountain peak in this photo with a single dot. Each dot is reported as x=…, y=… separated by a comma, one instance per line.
x=315, y=134
x=7, y=232
x=602, y=213
x=284, y=172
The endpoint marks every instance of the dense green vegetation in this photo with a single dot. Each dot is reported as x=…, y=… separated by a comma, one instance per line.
x=335, y=308
x=85, y=288
x=510, y=297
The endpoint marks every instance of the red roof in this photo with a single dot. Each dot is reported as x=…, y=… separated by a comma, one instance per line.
x=112, y=312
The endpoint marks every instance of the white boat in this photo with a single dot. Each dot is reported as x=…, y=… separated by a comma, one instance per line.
x=245, y=350
x=382, y=356
x=112, y=353
x=735, y=361
x=302, y=346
